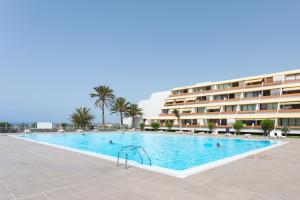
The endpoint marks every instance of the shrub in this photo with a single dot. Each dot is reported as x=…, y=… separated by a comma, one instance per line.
x=169, y=125
x=142, y=126
x=285, y=130
x=267, y=126
x=155, y=125
x=4, y=127
x=211, y=126
x=237, y=126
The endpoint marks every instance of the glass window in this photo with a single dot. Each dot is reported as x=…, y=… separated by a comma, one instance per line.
x=289, y=122
x=268, y=106
x=290, y=77
x=230, y=108
x=277, y=78
x=275, y=92
x=200, y=109
x=297, y=121
x=249, y=107
x=252, y=94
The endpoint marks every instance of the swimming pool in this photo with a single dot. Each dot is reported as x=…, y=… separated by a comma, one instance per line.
x=177, y=155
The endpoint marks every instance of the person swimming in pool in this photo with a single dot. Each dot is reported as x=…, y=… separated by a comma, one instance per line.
x=110, y=142
x=218, y=145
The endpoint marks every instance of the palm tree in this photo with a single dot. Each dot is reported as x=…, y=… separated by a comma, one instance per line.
x=105, y=98
x=82, y=117
x=120, y=105
x=177, y=115
x=134, y=111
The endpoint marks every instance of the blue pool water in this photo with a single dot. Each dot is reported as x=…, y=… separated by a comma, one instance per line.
x=176, y=152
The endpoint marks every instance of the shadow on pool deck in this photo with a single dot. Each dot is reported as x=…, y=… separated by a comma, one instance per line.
x=35, y=171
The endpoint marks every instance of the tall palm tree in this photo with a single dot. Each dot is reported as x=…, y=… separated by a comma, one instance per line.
x=134, y=111
x=105, y=99
x=82, y=117
x=177, y=115
x=120, y=106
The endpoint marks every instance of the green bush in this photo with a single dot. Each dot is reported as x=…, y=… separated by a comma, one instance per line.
x=155, y=125
x=238, y=126
x=169, y=125
x=211, y=126
x=142, y=126
x=285, y=130
x=267, y=126
x=4, y=127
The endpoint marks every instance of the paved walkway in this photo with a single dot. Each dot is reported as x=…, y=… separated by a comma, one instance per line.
x=36, y=172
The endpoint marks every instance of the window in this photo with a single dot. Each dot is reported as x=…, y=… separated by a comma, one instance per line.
x=277, y=78
x=231, y=96
x=249, y=122
x=198, y=89
x=201, y=98
x=289, y=122
x=252, y=94
x=221, y=97
x=230, y=108
x=266, y=93
x=224, y=122
x=224, y=86
x=292, y=77
x=165, y=111
x=186, y=111
x=290, y=106
x=200, y=109
x=249, y=107
x=208, y=88
x=235, y=84
x=275, y=92
x=268, y=106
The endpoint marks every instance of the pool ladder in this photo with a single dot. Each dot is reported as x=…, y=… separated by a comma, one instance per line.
x=130, y=148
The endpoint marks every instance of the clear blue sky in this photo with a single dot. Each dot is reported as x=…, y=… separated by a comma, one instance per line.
x=52, y=53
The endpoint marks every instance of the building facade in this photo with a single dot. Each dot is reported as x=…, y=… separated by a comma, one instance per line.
x=273, y=96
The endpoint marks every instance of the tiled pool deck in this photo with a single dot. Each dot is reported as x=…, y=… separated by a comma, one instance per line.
x=35, y=171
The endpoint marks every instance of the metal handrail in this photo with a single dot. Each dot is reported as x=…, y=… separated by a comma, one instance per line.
x=130, y=148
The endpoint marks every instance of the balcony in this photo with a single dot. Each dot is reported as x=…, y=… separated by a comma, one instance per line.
x=291, y=81
x=166, y=115
x=266, y=111
x=228, y=112
x=246, y=112
x=193, y=113
x=239, y=87
x=269, y=97
x=289, y=111
x=291, y=95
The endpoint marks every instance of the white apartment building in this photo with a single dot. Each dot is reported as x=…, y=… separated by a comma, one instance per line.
x=273, y=96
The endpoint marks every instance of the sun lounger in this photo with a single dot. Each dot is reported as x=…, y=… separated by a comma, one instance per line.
x=215, y=133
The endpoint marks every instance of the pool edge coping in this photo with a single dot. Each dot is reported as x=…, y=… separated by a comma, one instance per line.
x=161, y=170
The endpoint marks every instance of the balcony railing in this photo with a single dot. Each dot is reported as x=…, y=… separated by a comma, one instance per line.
x=236, y=99
x=289, y=111
x=240, y=87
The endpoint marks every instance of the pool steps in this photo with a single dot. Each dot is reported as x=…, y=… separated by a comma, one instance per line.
x=130, y=148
